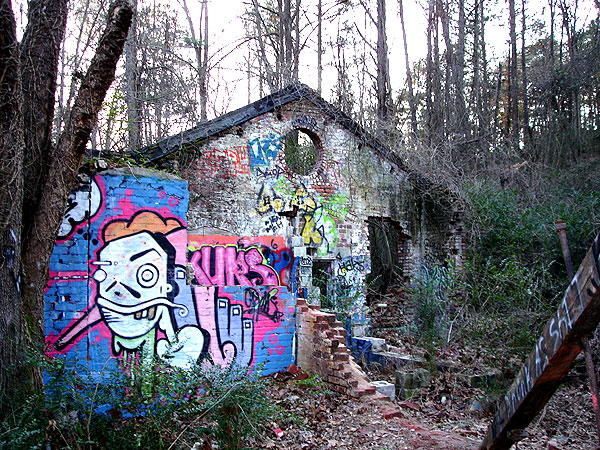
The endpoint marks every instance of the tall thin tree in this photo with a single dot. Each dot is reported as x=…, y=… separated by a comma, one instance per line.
x=409, y=81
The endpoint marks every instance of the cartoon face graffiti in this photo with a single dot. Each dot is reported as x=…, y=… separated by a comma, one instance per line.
x=135, y=291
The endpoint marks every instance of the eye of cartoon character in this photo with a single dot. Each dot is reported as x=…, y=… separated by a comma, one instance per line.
x=147, y=275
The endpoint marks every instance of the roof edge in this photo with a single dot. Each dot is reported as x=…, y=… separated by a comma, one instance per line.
x=292, y=92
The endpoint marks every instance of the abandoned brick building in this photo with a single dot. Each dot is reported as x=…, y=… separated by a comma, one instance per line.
x=282, y=202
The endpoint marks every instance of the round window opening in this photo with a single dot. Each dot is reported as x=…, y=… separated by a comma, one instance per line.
x=301, y=152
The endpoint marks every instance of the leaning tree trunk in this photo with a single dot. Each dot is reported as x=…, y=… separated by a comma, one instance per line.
x=65, y=161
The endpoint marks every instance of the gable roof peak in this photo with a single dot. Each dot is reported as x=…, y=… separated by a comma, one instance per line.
x=292, y=92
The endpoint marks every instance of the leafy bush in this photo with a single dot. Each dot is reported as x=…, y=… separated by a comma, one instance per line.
x=431, y=290
x=515, y=273
x=501, y=286
x=154, y=407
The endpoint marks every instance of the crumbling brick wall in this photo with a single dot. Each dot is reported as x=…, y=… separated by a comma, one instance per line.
x=322, y=349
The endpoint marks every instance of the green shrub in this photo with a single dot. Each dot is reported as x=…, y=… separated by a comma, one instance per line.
x=431, y=290
x=514, y=273
x=501, y=286
x=155, y=407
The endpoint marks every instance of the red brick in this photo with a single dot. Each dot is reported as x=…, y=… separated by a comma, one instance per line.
x=335, y=380
x=342, y=349
x=359, y=393
x=340, y=389
x=341, y=357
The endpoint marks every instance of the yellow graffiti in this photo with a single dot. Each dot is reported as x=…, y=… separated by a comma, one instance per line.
x=317, y=229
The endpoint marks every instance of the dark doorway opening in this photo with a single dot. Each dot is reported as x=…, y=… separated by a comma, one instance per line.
x=388, y=249
x=321, y=272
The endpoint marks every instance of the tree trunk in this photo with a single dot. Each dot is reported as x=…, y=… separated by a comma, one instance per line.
x=497, y=98
x=296, y=42
x=383, y=64
x=411, y=97
x=449, y=111
x=429, y=77
x=203, y=69
x=64, y=165
x=526, y=130
x=272, y=74
x=486, y=90
x=12, y=149
x=476, y=94
x=458, y=73
x=201, y=47
x=513, y=129
x=319, y=46
x=433, y=77
x=40, y=50
x=551, y=7
x=132, y=75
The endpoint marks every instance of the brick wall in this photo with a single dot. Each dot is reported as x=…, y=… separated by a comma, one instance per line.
x=322, y=350
x=150, y=264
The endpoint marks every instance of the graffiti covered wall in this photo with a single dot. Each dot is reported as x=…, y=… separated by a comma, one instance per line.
x=128, y=284
x=322, y=212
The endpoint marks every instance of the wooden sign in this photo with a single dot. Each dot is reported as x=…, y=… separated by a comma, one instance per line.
x=553, y=355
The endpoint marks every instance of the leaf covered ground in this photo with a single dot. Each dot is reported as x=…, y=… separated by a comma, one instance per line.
x=445, y=415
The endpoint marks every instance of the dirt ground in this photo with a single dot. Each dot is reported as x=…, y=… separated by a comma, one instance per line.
x=445, y=415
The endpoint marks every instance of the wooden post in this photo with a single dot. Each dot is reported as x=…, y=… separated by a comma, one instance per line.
x=591, y=371
x=561, y=228
x=553, y=355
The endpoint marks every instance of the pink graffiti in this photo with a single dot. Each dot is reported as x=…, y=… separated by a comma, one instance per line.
x=126, y=207
x=279, y=350
x=233, y=334
x=227, y=265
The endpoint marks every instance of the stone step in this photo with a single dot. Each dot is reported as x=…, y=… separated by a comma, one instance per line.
x=399, y=360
